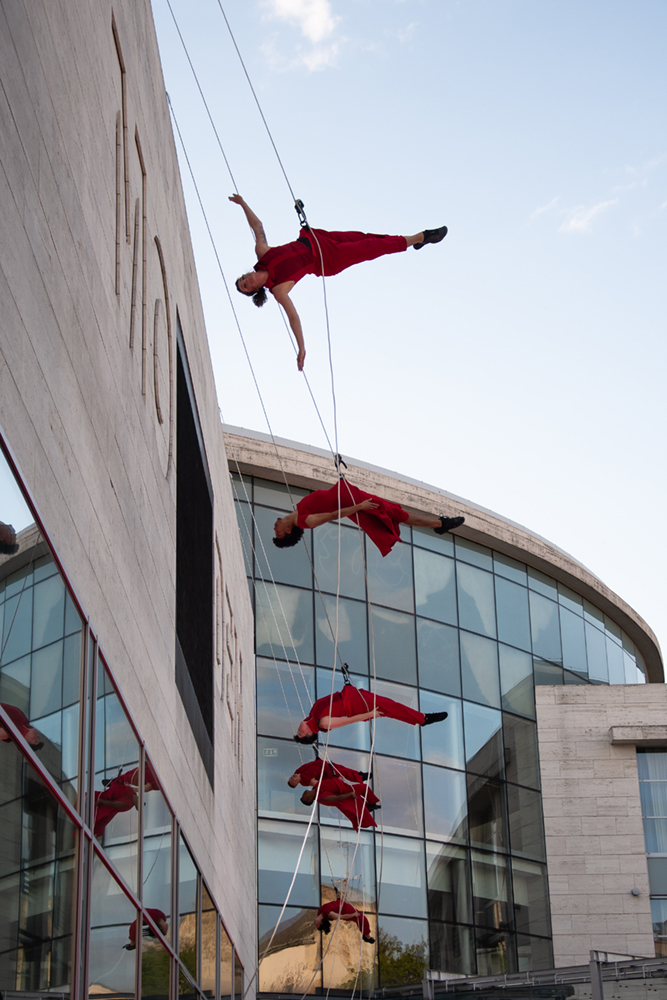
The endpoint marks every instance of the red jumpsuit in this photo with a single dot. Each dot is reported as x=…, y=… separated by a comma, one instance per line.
x=291, y=261
x=118, y=791
x=157, y=915
x=19, y=719
x=356, y=701
x=314, y=768
x=338, y=906
x=355, y=809
x=381, y=524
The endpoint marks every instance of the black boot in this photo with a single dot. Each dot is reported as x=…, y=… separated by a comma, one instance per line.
x=432, y=236
x=365, y=775
x=431, y=717
x=447, y=523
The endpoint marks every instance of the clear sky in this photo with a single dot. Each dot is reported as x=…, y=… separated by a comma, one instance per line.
x=521, y=363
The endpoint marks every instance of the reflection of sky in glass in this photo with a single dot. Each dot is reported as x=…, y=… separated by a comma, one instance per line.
x=13, y=508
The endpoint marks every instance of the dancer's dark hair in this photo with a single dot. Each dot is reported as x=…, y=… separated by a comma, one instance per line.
x=259, y=297
x=306, y=739
x=8, y=550
x=325, y=926
x=287, y=541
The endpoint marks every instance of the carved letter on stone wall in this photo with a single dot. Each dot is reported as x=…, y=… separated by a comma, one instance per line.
x=170, y=353
x=135, y=270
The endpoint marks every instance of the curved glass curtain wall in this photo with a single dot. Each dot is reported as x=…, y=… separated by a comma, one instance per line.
x=75, y=759
x=456, y=881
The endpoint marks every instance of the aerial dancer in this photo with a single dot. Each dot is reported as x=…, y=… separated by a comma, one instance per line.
x=120, y=794
x=378, y=518
x=351, y=705
x=338, y=910
x=328, y=769
x=20, y=720
x=279, y=268
x=158, y=917
x=356, y=801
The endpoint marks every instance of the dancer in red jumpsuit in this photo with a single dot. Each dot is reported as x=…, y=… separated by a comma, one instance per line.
x=351, y=705
x=328, y=769
x=158, y=918
x=354, y=800
x=120, y=795
x=342, y=911
x=279, y=268
x=378, y=518
x=20, y=720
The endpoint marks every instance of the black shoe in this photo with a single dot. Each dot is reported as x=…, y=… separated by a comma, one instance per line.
x=432, y=236
x=369, y=940
x=365, y=775
x=431, y=717
x=373, y=806
x=447, y=523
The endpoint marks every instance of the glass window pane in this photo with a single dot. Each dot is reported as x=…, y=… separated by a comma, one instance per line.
x=349, y=625
x=48, y=622
x=509, y=568
x=486, y=813
x=521, y=764
x=442, y=743
x=399, y=786
x=448, y=884
x=113, y=926
x=188, y=943
x=276, y=761
x=526, y=826
x=445, y=804
x=471, y=552
x=277, y=495
x=241, y=486
x=391, y=736
x=291, y=565
x=325, y=543
x=495, y=952
x=531, y=898
x=547, y=673
x=244, y=520
x=534, y=953
x=655, y=835
x=544, y=627
x=438, y=655
x=657, y=876
x=348, y=860
x=227, y=960
x=356, y=971
x=209, y=923
x=652, y=763
x=279, y=845
x=296, y=947
x=593, y=614
x=284, y=622
x=426, y=538
x=155, y=965
x=568, y=599
x=17, y=628
x=483, y=739
x=390, y=577
x=574, y=643
x=47, y=672
x=403, y=887
x=479, y=669
x=542, y=584
x=285, y=693
x=156, y=844
x=392, y=640
x=512, y=610
x=490, y=890
x=452, y=949
x=435, y=586
x=615, y=662
x=596, y=648
x=516, y=681
x=402, y=951
x=477, y=610
x=659, y=920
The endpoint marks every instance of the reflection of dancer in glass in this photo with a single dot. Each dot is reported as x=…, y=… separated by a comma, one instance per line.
x=354, y=800
x=338, y=910
x=20, y=720
x=120, y=795
x=8, y=543
x=279, y=268
x=304, y=774
x=351, y=705
x=158, y=918
x=379, y=519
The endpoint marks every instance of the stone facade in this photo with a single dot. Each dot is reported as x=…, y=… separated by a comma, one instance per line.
x=593, y=818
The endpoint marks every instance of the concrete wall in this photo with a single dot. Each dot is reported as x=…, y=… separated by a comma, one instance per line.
x=87, y=372
x=592, y=815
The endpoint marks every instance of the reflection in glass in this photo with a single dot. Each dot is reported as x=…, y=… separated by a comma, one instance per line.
x=531, y=898
x=285, y=692
x=155, y=964
x=399, y=786
x=278, y=850
x=402, y=951
x=244, y=519
x=113, y=926
x=596, y=649
x=448, y=884
x=238, y=977
x=209, y=920
x=483, y=739
x=534, y=953
x=574, y=643
x=495, y=952
x=325, y=541
x=390, y=579
x=347, y=962
x=394, y=737
x=403, y=888
x=392, y=643
x=345, y=854
x=521, y=763
x=435, y=586
x=526, y=824
x=37, y=870
x=471, y=552
x=516, y=681
x=349, y=626
x=294, y=955
x=280, y=565
x=452, y=949
x=659, y=920
x=426, y=538
x=438, y=654
x=509, y=568
x=490, y=890
x=276, y=761
x=542, y=584
x=547, y=673
x=284, y=622
x=477, y=610
x=615, y=662
x=479, y=669
x=442, y=743
x=512, y=611
x=227, y=961
x=188, y=943
x=544, y=628
x=486, y=813
x=445, y=804
x=157, y=845
x=277, y=495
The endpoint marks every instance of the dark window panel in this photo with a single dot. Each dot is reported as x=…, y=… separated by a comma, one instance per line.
x=615, y=662
x=276, y=494
x=442, y=742
x=534, y=953
x=495, y=952
x=526, y=823
x=547, y=673
x=542, y=584
x=278, y=850
x=402, y=951
x=398, y=784
x=531, y=898
x=521, y=762
x=510, y=568
x=438, y=657
x=244, y=520
x=483, y=739
x=392, y=737
x=568, y=599
x=425, y=538
x=445, y=804
x=448, y=877
x=403, y=889
x=491, y=891
x=276, y=761
x=487, y=814
x=512, y=611
x=516, y=681
x=452, y=949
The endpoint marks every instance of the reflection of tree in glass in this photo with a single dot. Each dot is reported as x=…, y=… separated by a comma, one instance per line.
x=154, y=970
x=400, y=963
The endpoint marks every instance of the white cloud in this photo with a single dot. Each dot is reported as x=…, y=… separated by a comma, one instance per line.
x=580, y=218
x=542, y=209
x=314, y=17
